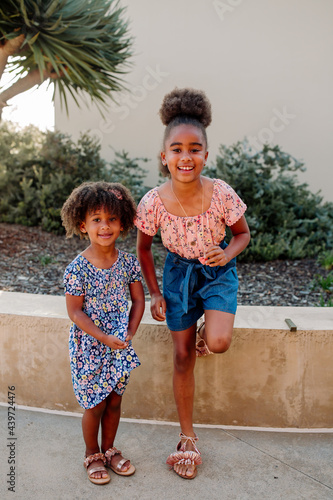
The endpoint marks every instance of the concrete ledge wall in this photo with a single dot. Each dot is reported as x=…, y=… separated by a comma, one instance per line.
x=270, y=377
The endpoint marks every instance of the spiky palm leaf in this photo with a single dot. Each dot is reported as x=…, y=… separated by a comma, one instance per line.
x=83, y=44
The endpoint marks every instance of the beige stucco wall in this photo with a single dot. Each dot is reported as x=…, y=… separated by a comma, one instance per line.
x=266, y=66
x=270, y=376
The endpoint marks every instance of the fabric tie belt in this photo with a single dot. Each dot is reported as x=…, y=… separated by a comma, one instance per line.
x=194, y=267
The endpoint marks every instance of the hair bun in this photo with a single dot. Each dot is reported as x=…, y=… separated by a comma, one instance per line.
x=186, y=102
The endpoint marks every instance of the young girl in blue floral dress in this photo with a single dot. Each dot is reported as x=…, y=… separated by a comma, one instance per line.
x=100, y=341
x=192, y=212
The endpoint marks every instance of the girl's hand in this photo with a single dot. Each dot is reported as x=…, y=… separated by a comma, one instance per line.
x=115, y=343
x=129, y=336
x=215, y=256
x=158, y=307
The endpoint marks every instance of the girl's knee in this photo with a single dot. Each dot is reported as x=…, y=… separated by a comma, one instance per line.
x=98, y=410
x=184, y=360
x=218, y=330
x=113, y=401
x=219, y=345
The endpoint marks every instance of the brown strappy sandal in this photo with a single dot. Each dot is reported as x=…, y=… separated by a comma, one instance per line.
x=201, y=348
x=99, y=468
x=185, y=457
x=108, y=456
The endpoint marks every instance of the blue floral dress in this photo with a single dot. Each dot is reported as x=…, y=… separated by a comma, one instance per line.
x=97, y=370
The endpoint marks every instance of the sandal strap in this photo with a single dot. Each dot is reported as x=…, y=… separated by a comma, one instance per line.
x=94, y=458
x=182, y=447
x=201, y=346
x=184, y=458
x=111, y=452
x=200, y=327
x=121, y=463
x=96, y=469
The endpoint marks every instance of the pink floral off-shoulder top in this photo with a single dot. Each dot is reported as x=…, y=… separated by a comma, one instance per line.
x=189, y=237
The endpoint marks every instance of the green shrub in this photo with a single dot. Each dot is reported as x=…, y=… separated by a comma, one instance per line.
x=34, y=188
x=18, y=149
x=324, y=282
x=45, y=260
x=39, y=170
x=326, y=260
x=286, y=220
x=128, y=172
x=18, y=145
x=325, y=285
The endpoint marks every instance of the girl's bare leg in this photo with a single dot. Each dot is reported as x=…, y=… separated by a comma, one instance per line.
x=217, y=334
x=110, y=423
x=90, y=426
x=217, y=331
x=183, y=386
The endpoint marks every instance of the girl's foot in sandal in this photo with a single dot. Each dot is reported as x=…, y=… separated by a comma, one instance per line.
x=201, y=347
x=116, y=462
x=97, y=473
x=185, y=460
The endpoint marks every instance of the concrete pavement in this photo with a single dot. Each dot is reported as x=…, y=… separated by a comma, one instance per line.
x=237, y=464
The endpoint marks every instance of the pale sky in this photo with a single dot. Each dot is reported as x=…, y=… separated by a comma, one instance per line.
x=32, y=107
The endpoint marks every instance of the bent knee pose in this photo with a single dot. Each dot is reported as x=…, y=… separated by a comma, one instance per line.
x=100, y=341
x=192, y=212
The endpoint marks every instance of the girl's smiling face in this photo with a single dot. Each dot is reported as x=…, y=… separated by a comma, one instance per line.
x=185, y=152
x=102, y=227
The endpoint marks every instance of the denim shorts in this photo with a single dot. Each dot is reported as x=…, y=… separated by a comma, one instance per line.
x=190, y=288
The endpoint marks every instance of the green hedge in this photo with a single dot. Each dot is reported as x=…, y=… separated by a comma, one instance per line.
x=287, y=221
x=39, y=170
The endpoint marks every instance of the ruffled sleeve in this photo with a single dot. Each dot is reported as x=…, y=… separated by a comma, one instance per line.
x=147, y=213
x=233, y=207
x=73, y=279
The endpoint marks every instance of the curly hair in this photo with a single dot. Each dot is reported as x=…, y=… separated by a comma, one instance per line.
x=89, y=196
x=184, y=106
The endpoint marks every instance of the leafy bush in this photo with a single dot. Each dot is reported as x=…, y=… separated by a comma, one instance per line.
x=128, y=172
x=326, y=260
x=34, y=189
x=286, y=220
x=39, y=170
x=325, y=285
x=17, y=148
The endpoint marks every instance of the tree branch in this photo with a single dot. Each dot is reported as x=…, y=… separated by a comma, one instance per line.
x=9, y=48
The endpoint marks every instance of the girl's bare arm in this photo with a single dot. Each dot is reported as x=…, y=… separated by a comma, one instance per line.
x=137, y=309
x=145, y=256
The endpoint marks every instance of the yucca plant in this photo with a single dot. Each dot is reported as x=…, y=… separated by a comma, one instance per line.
x=81, y=45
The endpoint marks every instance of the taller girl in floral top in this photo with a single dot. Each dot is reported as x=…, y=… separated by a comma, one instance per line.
x=200, y=277
x=100, y=341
